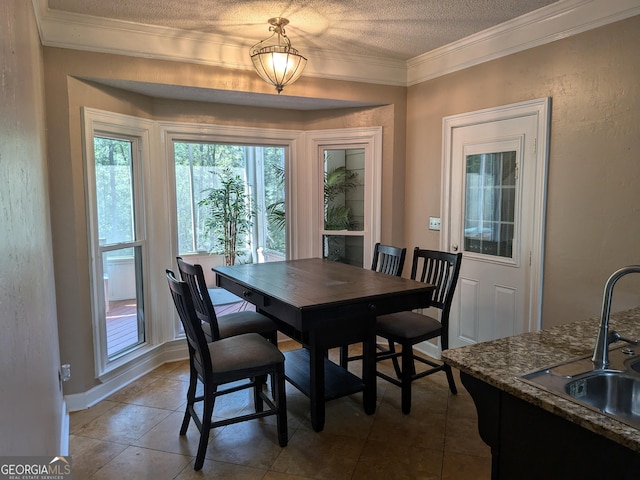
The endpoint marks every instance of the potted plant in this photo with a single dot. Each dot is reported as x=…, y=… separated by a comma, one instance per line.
x=230, y=215
x=337, y=183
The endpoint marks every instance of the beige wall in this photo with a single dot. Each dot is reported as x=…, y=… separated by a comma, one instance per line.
x=66, y=94
x=31, y=417
x=593, y=201
x=593, y=207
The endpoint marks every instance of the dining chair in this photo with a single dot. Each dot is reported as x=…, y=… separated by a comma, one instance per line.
x=223, y=326
x=244, y=359
x=386, y=259
x=409, y=328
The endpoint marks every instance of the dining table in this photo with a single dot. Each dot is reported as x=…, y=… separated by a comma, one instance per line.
x=324, y=304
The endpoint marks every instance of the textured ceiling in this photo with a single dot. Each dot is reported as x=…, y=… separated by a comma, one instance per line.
x=401, y=30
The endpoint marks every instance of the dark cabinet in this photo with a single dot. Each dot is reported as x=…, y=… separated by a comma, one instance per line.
x=528, y=442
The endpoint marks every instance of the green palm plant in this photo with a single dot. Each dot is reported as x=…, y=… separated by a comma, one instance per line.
x=276, y=210
x=230, y=215
x=338, y=181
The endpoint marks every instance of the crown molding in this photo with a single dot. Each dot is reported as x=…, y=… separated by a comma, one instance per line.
x=102, y=35
x=559, y=20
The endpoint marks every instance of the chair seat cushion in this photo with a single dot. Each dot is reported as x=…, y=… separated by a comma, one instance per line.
x=407, y=325
x=244, y=322
x=236, y=357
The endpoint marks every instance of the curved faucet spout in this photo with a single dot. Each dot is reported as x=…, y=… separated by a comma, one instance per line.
x=601, y=351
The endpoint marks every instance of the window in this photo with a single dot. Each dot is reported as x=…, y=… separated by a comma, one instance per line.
x=490, y=203
x=349, y=165
x=136, y=198
x=230, y=200
x=344, y=205
x=116, y=151
x=120, y=244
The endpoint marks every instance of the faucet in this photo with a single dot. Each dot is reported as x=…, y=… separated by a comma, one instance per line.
x=601, y=351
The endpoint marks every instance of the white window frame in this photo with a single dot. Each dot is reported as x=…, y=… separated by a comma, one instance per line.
x=197, y=133
x=368, y=138
x=140, y=132
x=156, y=208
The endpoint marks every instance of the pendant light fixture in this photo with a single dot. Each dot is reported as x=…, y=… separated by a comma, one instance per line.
x=277, y=63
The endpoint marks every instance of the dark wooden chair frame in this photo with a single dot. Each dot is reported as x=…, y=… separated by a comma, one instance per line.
x=194, y=276
x=442, y=270
x=202, y=369
x=248, y=321
x=386, y=259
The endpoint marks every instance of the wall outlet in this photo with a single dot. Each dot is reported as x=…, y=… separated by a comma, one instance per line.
x=65, y=372
x=434, y=223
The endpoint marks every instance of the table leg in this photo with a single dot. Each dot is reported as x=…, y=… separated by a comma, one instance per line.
x=369, y=369
x=317, y=388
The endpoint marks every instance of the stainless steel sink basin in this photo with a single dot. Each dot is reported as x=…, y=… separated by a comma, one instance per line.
x=614, y=391
x=608, y=381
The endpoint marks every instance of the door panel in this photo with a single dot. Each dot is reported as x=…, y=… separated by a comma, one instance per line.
x=505, y=306
x=492, y=207
x=467, y=306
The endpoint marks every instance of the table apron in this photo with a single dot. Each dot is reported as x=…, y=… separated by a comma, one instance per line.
x=246, y=293
x=334, y=314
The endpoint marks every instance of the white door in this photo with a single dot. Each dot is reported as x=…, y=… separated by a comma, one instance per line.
x=495, y=170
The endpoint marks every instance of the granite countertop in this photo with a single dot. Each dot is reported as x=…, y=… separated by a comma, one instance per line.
x=501, y=362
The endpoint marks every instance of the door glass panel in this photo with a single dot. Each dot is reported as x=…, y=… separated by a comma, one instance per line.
x=343, y=249
x=490, y=195
x=344, y=189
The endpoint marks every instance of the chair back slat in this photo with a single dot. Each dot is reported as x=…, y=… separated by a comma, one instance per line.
x=182, y=299
x=440, y=269
x=193, y=275
x=388, y=259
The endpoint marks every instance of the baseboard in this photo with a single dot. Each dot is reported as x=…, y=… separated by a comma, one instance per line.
x=168, y=352
x=64, y=430
x=430, y=349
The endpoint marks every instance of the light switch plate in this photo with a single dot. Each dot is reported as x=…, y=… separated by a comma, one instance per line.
x=434, y=223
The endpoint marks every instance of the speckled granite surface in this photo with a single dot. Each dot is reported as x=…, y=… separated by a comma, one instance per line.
x=501, y=362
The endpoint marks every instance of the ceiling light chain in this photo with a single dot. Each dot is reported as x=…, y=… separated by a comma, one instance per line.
x=277, y=63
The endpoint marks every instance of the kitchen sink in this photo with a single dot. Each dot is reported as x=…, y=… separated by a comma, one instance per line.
x=613, y=391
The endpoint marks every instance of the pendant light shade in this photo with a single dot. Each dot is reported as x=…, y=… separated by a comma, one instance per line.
x=277, y=63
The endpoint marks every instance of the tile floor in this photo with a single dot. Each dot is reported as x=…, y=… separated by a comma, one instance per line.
x=134, y=435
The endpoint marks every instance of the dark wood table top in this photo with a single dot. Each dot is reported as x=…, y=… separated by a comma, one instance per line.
x=316, y=283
